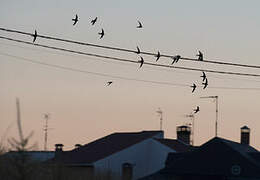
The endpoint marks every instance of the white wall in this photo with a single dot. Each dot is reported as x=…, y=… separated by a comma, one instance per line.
x=147, y=156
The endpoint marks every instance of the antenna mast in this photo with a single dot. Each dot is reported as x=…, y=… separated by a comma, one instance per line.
x=46, y=117
x=216, y=123
x=192, y=117
x=160, y=113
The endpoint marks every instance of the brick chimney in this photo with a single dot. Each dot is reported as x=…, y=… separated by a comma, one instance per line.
x=58, y=150
x=245, y=135
x=183, y=134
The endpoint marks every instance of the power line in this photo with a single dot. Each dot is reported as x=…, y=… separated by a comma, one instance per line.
x=165, y=70
x=128, y=50
x=90, y=72
x=128, y=60
x=116, y=77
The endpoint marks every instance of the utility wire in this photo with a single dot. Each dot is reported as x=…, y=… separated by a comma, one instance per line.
x=114, y=76
x=128, y=50
x=90, y=72
x=165, y=70
x=128, y=60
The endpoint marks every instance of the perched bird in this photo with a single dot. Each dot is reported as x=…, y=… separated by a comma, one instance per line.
x=138, y=50
x=193, y=87
x=196, y=110
x=203, y=76
x=34, y=36
x=102, y=33
x=176, y=59
x=141, y=61
x=76, y=19
x=200, y=56
x=158, y=55
x=205, y=83
x=93, y=21
x=139, y=25
x=109, y=83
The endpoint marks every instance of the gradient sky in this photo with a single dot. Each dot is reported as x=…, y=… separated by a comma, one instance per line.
x=82, y=108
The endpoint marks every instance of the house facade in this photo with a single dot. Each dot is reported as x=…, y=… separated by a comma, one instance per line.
x=130, y=155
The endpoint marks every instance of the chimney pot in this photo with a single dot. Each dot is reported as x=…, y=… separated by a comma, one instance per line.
x=245, y=135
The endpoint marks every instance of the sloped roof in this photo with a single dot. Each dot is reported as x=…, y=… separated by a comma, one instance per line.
x=175, y=144
x=216, y=157
x=105, y=146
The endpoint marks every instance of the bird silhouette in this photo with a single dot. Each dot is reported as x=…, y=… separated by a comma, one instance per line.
x=102, y=33
x=158, y=55
x=139, y=25
x=203, y=76
x=34, y=35
x=76, y=19
x=141, y=61
x=196, y=110
x=138, y=50
x=176, y=59
x=200, y=56
x=93, y=21
x=109, y=83
x=193, y=87
x=205, y=83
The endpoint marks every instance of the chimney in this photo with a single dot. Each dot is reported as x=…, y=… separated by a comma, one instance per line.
x=58, y=147
x=183, y=134
x=127, y=171
x=77, y=146
x=245, y=135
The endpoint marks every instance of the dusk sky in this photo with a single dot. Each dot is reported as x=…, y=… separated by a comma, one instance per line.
x=82, y=108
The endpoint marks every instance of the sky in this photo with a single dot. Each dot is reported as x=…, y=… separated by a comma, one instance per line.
x=82, y=108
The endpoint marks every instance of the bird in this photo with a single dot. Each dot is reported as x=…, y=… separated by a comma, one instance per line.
x=93, y=21
x=109, y=83
x=196, y=110
x=102, y=33
x=200, y=56
x=34, y=35
x=205, y=83
x=141, y=61
x=138, y=50
x=176, y=58
x=139, y=25
x=76, y=19
x=203, y=76
x=158, y=55
x=193, y=87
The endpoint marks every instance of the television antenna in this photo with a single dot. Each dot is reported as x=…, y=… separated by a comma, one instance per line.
x=216, y=123
x=46, y=116
x=192, y=118
x=160, y=113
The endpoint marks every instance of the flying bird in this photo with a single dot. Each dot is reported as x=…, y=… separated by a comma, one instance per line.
x=93, y=21
x=138, y=50
x=203, y=76
x=200, y=56
x=205, y=83
x=158, y=55
x=196, y=110
x=102, y=33
x=109, y=83
x=34, y=35
x=141, y=61
x=139, y=25
x=193, y=87
x=176, y=59
x=76, y=19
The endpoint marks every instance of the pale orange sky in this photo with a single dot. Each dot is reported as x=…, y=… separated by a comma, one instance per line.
x=82, y=108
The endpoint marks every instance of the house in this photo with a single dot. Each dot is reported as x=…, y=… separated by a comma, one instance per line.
x=130, y=155
x=216, y=159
